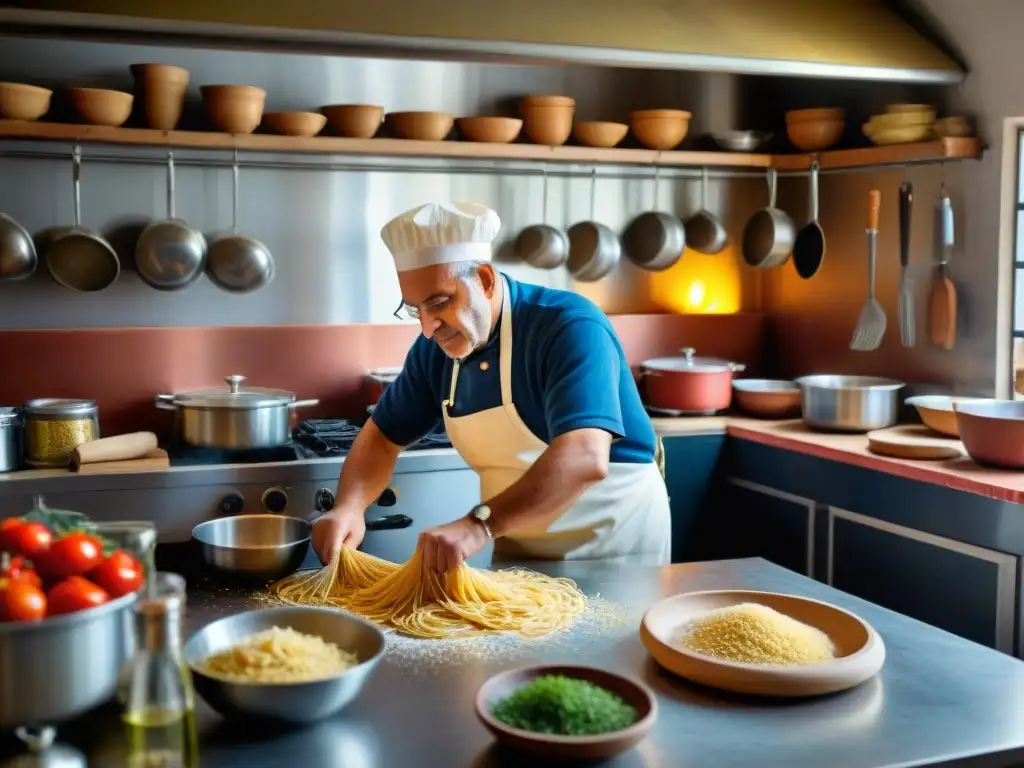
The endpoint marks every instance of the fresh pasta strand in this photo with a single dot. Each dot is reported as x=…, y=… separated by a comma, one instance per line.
x=419, y=602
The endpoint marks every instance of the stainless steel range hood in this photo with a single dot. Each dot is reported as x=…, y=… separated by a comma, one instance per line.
x=854, y=39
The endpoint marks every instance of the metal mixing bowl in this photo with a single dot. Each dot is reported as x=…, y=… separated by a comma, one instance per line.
x=850, y=403
x=254, y=547
x=289, y=703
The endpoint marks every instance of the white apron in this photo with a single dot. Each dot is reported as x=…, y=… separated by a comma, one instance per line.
x=625, y=516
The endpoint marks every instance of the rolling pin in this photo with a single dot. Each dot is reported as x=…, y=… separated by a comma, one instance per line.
x=118, y=448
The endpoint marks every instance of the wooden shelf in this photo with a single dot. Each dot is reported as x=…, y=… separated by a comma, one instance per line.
x=932, y=151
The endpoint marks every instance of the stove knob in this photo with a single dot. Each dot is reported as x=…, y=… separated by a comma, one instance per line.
x=232, y=504
x=324, y=500
x=275, y=500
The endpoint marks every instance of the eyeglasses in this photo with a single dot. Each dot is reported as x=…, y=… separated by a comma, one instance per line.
x=410, y=312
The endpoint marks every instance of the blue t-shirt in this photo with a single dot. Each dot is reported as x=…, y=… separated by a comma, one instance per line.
x=569, y=372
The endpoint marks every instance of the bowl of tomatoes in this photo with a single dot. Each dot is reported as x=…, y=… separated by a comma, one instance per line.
x=66, y=592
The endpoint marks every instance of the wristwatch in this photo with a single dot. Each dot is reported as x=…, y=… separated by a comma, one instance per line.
x=482, y=513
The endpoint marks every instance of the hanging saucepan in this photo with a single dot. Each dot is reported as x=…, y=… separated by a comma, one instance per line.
x=169, y=254
x=769, y=235
x=704, y=232
x=234, y=418
x=542, y=245
x=78, y=258
x=238, y=263
x=654, y=240
x=688, y=384
x=594, y=250
x=809, y=248
x=18, y=258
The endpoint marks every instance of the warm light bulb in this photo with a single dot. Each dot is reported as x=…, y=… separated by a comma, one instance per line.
x=695, y=294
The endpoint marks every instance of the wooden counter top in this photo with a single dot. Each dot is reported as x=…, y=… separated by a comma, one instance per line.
x=961, y=474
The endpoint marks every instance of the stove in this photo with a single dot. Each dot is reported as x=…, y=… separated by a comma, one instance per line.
x=334, y=437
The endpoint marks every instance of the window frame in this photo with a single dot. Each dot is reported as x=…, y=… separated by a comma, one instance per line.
x=1011, y=203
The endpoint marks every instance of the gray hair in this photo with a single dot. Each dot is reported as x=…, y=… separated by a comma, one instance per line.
x=460, y=270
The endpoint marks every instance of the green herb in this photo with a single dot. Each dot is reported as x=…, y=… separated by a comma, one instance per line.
x=564, y=706
x=61, y=522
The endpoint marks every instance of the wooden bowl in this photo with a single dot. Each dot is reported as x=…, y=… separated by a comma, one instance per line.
x=422, y=126
x=354, y=121
x=98, y=106
x=993, y=431
x=490, y=130
x=295, y=123
x=234, y=108
x=547, y=120
x=817, y=114
x=576, y=748
x=860, y=652
x=19, y=101
x=815, y=135
x=936, y=411
x=162, y=89
x=660, y=129
x=767, y=398
x=594, y=133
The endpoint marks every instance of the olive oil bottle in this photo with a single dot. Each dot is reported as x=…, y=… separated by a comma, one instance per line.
x=160, y=710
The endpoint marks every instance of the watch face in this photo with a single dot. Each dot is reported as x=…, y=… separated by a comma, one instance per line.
x=482, y=512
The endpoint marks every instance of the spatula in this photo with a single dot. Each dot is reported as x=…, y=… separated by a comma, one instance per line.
x=906, y=310
x=871, y=325
x=942, y=298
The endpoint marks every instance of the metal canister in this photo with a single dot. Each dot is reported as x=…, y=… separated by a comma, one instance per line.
x=10, y=439
x=54, y=427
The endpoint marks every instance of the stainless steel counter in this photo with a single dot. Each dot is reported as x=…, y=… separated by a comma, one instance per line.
x=939, y=699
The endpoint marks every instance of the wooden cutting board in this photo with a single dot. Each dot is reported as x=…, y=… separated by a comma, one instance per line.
x=152, y=461
x=914, y=441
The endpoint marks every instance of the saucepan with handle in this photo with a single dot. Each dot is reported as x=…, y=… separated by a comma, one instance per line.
x=594, y=250
x=769, y=236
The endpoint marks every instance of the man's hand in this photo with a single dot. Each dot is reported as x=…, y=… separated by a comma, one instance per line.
x=337, y=529
x=448, y=546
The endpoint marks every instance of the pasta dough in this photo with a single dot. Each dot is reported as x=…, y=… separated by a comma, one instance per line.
x=279, y=655
x=419, y=602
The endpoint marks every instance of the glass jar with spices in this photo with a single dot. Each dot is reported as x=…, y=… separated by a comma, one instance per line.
x=54, y=427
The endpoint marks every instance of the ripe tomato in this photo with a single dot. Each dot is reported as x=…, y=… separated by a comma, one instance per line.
x=30, y=539
x=119, y=574
x=21, y=601
x=16, y=569
x=7, y=529
x=73, y=555
x=75, y=593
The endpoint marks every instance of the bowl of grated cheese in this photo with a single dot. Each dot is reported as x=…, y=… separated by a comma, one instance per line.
x=762, y=643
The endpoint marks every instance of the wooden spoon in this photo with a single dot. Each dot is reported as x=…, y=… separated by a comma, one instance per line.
x=942, y=298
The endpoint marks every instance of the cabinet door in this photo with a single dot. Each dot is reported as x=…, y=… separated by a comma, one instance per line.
x=690, y=463
x=964, y=589
x=757, y=521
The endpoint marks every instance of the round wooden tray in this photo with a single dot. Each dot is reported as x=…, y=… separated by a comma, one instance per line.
x=859, y=649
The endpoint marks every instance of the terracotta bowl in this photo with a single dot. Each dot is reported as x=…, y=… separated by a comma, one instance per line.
x=575, y=748
x=98, y=106
x=993, y=431
x=547, y=120
x=422, y=126
x=860, y=652
x=162, y=89
x=490, y=130
x=936, y=411
x=19, y=101
x=767, y=398
x=295, y=123
x=354, y=121
x=660, y=129
x=234, y=108
x=594, y=133
x=816, y=115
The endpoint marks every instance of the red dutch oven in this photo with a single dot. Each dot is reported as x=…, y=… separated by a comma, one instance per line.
x=379, y=379
x=688, y=384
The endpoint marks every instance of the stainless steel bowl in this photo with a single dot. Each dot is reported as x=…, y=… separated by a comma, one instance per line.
x=256, y=547
x=850, y=403
x=741, y=141
x=290, y=703
x=57, y=669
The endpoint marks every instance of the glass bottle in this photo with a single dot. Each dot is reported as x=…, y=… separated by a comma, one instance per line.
x=160, y=709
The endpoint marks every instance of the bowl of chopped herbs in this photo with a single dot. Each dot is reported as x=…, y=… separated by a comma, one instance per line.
x=566, y=712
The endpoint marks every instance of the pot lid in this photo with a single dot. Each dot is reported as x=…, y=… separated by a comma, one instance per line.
x=60, y=406
x=234, y=396
x=690, y=362
x=389, y=373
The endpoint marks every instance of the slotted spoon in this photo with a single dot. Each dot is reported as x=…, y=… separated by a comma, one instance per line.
x=871, y=326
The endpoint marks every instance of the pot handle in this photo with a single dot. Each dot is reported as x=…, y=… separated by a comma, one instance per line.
x=737, y=367
x=303, y=403
x=165, y=402
x=389, y=523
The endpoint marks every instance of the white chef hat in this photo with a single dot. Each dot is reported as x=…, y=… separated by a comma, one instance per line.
x=440, y=233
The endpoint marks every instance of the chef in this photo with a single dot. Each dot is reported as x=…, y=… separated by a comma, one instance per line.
x=535, y=393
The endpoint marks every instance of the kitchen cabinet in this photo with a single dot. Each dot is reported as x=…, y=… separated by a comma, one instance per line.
x=690, y=465
x=945, y=557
